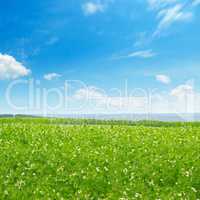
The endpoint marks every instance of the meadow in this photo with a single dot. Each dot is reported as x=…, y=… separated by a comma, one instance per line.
x=90, y=159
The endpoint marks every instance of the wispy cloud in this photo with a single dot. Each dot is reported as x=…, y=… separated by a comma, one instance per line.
x=51, y=76
x=169, y=12
x=158, y=4
x=142, y=54
x=196, y=2
x=91, y=8
x=137, y=54
x=163, y=78
x=171, y=15
x=53, y=40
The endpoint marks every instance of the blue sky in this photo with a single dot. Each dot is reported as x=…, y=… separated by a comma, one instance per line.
x=103, y=43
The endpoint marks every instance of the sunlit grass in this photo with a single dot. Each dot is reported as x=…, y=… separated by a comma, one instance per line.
x=46, y=160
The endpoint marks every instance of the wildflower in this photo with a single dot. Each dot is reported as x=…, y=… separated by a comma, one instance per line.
x=194, y=189
x=137, y=195
x=97, y=169
x=106, y=169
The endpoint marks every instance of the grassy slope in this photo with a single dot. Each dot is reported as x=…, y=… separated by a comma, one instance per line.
x=41, y=160
x=64, y=121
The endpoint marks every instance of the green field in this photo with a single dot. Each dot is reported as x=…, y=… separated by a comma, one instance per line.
x=89, y=159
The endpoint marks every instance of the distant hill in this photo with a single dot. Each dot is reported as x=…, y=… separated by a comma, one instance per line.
x=6, y=116
x=11, y=116
x=132, y=117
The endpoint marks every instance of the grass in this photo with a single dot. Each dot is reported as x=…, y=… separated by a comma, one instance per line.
x=75, y=159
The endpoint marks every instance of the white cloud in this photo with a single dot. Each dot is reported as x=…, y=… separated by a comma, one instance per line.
x=182, y=90
x=10, y=68
x=170, y=15
x=138, y=54
x=51, y=76
x=185, y=99
x=90, y=8
x=163, y=78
